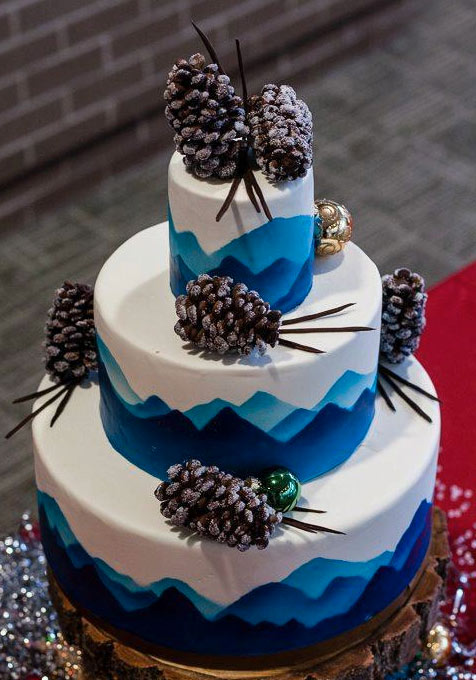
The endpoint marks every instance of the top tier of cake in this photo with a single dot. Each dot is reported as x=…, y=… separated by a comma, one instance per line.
x=273, y=257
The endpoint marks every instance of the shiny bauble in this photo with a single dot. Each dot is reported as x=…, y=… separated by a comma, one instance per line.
x=332, y=227
x=282, y=488
x=438, y=645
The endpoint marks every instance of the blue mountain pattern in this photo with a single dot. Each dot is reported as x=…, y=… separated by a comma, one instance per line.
x=317, y=601
x=262, y=409
x=275, y=259
x=231, y=442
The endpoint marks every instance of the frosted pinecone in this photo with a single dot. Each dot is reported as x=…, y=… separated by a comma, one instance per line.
x=207, y=116
x=70, y=345
x=403, y=314
x=281, y=132
x=218, y=315
x=217, y=505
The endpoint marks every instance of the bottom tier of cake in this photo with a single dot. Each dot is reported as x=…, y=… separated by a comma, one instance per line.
x=393, y=645
x=118, y=560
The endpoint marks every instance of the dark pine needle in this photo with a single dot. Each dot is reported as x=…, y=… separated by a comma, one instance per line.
x=312, y=528
x=399, y=378
x=35, y=413
x=244, y=88
x=233, y=189
x=296, y=345
x=406, y=398
x=211, y=50
x=62, y=404
x=34, y=395
x=318, y=315
x=261, y=197
x=385, y=396
x=338, y=329
x=250, y=191
x=299, y=509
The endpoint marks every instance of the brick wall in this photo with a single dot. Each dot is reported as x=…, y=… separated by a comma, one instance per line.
x=72, y=71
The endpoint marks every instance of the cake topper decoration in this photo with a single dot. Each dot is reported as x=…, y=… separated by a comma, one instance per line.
x=236, y=512
x=70, y=347
x=218, y=132
x=403, y=322
x=332, y=227
x=281, y=133
x=207, y=116
x=244, y=171
x=218, y=315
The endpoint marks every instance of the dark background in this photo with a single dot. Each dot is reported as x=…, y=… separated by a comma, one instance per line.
x=84, y=146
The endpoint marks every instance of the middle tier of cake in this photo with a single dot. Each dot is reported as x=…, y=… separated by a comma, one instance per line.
x=163, y=401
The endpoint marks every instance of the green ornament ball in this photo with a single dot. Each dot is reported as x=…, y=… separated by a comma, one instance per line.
x=282, y=488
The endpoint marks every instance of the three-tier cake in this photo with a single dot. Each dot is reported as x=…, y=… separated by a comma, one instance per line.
x=308, y=407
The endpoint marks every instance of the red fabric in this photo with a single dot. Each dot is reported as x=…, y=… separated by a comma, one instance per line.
x=448, y=352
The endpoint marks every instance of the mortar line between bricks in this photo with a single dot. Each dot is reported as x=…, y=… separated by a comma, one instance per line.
x=50, y=26
x=76, y=117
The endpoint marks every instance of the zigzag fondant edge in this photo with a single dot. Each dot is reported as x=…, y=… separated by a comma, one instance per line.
x=315, y=592
x=263, y=410
x=270, y=240
x=283, y=284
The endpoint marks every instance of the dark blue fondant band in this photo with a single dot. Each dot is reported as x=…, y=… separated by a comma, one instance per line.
x=275, y=259
x=271, y=618
x=325, y=439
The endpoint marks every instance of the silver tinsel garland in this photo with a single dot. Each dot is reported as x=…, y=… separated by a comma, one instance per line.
x=31, y=646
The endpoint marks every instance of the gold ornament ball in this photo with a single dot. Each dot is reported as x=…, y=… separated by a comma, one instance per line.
x=333, y=226
x=438, y=645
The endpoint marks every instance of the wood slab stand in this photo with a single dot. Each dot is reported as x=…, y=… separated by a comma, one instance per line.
x=384, y=652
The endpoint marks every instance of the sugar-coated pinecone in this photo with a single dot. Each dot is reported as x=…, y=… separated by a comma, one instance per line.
x=403, y=314
x=221, y=316
x=281, y=132
x=70, y=345
x=207, y=116
x=215, y=504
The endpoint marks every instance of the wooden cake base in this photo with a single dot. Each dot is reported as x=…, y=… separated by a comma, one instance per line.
x=394, y=644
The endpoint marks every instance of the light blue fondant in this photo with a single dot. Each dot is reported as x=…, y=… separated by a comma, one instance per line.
x=275, y=259
x=245, y=438
x=320, y=589
x=130, y=595
x=282, y=237
x=345, y=393
x=151, y=407
x=279, y=418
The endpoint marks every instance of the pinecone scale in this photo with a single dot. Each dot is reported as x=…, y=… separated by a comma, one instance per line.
x=70, y=345
x=220, y=316
x=217, y=505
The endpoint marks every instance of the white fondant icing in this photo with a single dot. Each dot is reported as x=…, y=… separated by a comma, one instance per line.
x=135, y=316
x=110, y=507
x=194, y=204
